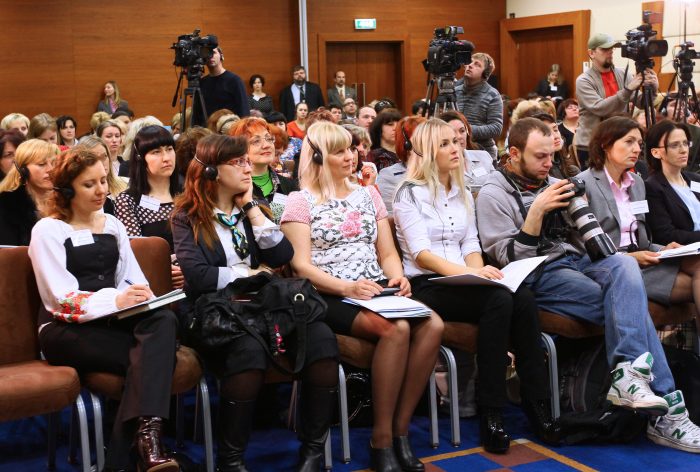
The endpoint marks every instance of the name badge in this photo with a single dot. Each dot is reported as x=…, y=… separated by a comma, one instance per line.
x=82, y=237
x=639, y=207
x=695, y=186
x=356, y=198
x=149, y=203
x=280, y=199
x=479, y=172
x=553, y=88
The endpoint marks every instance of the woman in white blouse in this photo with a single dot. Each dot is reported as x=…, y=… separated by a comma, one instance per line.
x=84, y=266
x=436, y=228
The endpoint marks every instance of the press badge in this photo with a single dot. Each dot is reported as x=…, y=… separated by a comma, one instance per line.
x=639, y=207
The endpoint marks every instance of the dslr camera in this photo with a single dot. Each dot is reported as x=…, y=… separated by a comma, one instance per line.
x=640, y=47
x=193, y=51
x=446, y=53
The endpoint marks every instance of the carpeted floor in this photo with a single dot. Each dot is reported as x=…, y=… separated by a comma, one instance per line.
x=23, y=448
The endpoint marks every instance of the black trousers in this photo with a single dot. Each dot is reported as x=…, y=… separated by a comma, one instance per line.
x=141, y=349
x=501, y=316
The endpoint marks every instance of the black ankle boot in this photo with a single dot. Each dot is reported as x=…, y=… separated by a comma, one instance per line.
x=317, y=405
x=404, y=454
x=543, y=425
x=493, y=436
x=383, y=460
x=235, y=422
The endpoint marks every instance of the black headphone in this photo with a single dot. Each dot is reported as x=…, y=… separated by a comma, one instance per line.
x=407, y=145
x=23, y=173
x=210, y=172
x=317, y=155
x=67, y=192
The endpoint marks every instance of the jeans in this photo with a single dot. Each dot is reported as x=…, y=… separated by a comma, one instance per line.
x=607, y=292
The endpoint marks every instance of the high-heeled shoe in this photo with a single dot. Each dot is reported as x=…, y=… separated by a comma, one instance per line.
x=151, y=457
x=404, y=454
x=383, y=459
x=493, y=436
x=543, y=425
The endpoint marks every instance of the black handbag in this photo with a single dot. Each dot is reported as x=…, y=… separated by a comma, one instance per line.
x=264, y=306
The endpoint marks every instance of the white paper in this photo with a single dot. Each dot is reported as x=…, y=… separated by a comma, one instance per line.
x=695, y=186
x=149, y=203
x=687, y=250
x=479, y=171
x=392, y=306
x=513, y=275
x=142, y=307
x=639, y=207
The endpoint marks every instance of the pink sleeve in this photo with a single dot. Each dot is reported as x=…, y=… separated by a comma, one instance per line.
x=378, y=203
x=296, y=209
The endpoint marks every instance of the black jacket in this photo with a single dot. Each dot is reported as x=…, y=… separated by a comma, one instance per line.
x=200, y=264
x=280, y=184
x=313, y=95
x=668, y=218
x=18, y=215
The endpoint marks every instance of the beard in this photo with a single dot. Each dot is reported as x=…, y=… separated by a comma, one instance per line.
x=299, y=82
x=608, y=65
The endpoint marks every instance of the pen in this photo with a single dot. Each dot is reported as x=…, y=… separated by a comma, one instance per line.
x=128, y=281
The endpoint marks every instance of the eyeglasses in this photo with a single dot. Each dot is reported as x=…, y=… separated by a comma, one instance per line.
x=678, y=144
x=258, y=141
x=239, y=162
x=572, y=107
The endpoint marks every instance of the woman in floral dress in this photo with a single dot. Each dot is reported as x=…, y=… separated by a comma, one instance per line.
x=343, y=244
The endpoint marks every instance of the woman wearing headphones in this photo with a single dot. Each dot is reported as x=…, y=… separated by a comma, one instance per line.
x=343, y=244
x=25, y=191
x=146, y=205
x=84, y=265
x=221, y=234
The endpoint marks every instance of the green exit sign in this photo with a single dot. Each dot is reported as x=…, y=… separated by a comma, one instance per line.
x=365, y=23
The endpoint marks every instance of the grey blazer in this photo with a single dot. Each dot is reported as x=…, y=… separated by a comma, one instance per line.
x=604, y=207
x=334, y=96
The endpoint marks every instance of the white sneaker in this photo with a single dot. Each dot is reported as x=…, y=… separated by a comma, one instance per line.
x=630, y=387
x=675, y=428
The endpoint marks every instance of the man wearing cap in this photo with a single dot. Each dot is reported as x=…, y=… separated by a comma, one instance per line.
x=603, y=90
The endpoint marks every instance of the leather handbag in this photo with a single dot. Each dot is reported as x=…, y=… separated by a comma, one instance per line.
x=269, y=308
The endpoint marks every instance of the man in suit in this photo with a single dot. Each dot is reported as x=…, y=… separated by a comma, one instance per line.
x=340, y=92
x=300, y=91
x=519, y=216
x=349, y=109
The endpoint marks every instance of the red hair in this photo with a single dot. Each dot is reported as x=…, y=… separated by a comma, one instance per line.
x=404, y=130
x=248, y=126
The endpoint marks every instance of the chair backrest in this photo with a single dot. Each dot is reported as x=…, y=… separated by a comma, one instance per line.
x=19, y=306
x=153, y=256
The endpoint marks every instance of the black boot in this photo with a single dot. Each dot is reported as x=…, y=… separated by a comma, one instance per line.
x=493, y=437
x=543, y=425
x=317, y=405
x=408, y=460
x=383, y=460
x=235, y=423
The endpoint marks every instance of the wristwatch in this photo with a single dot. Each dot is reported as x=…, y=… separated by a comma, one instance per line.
x=251, y=204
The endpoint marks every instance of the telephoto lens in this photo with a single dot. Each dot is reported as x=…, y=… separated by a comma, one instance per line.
x=598, y=244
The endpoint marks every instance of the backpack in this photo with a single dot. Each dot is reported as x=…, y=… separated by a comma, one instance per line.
x=584, y=381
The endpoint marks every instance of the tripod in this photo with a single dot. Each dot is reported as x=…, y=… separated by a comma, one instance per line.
x=647, y=94
x=446, y=98
x=193, y=75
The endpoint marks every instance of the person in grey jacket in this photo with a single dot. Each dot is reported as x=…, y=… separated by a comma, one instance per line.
x=517, y=211
x=604, y=90
x=481, y=103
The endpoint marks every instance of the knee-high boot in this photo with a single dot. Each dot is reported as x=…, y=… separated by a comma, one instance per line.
x=235, y=423
x=317, y=404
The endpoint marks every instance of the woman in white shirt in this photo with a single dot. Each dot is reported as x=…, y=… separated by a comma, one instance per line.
x=84, y=266
x=436, y=228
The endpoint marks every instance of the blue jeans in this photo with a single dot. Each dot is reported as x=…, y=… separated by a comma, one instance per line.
x=609, y=292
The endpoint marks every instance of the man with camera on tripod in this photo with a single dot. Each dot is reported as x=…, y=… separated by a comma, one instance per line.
x=522, y=212
x=221, y=89
x=604, y=90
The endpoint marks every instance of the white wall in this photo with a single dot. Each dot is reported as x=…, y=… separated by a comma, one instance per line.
x=616, y=17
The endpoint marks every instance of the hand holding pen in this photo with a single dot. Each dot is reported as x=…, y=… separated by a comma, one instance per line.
x=133, y=294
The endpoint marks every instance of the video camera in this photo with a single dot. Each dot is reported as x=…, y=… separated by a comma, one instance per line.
x=683, y=60
x=193, y=51
x=640, y=48
x=446, y=53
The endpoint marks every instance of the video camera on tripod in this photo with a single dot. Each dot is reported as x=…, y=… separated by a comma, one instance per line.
x=683, y=60
x=446, y=54
x=640, y=47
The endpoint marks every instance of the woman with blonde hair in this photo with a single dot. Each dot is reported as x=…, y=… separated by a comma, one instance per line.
x=115, y=184
x=43, y=126
x=344, y=245
x=25, y=191
x=111, y=99
x=436, y=228
x=16, y=121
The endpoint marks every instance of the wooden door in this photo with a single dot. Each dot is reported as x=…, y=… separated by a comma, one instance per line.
x=537, y=50
x=377, y=65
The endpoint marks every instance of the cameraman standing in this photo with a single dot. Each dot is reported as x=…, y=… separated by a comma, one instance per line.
x=221, y=89
x=603, y=90
x=519, y=216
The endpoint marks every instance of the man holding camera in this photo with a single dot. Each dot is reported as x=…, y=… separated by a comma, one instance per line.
x=603, y=90
x=520, y=215
x=221, y=89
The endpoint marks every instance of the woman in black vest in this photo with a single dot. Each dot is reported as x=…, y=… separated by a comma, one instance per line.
x=84, y=266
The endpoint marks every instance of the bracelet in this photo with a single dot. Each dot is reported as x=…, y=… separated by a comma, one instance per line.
x=251, y=204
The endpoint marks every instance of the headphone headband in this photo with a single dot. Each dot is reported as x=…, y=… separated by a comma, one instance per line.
x=210, y=172
x=317, y=155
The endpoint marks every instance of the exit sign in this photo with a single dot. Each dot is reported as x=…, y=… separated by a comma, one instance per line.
x=365, y=23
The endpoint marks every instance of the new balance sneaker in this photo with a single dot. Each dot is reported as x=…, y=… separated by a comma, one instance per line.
x=630, y=387
x=675, y=428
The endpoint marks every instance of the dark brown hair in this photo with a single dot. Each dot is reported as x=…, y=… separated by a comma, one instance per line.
x=388, y=115
x=604, y=136
x=521, y=130
x=657, y=137
x=186, y=146
x=452, y=115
